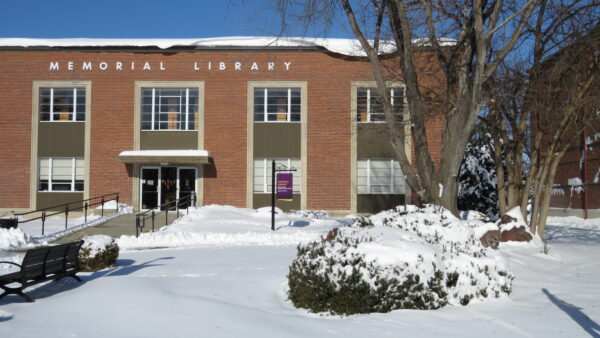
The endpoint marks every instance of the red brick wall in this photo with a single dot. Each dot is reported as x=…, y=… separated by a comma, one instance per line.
x=573, y=166
x=329, y=83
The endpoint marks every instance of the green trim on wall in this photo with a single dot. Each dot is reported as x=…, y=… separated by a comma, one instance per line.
x=166, y=140
x=61, y=139
x=277, y=140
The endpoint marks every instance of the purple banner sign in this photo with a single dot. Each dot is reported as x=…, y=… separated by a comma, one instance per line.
x=284, y=184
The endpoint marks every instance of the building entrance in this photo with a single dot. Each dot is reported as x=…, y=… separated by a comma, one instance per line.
x=160, y=185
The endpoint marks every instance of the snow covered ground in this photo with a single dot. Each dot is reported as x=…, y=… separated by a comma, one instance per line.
x=220, y=286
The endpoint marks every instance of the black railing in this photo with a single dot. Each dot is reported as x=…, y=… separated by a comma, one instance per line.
x=180, y=203
x=66, y=209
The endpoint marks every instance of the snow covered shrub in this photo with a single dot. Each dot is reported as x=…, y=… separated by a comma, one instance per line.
x=311, y=214
x=409, y=258
x=98, y=252
x=477, y=180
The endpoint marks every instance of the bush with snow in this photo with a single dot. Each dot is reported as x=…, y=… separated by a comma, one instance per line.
x=98, y=252
x=310, y=214
x=408, y=258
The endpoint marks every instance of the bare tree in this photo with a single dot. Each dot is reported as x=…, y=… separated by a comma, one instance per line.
x=468, y=39
x=560, y=102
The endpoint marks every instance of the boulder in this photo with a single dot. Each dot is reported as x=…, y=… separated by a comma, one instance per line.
x=505, y=219
x=513, y=230
x=517, y=234
x=491, y=239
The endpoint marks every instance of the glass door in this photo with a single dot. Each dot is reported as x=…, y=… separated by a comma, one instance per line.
x=150, y=187
x=160, y=185
x=168, y=185
x=187, y=185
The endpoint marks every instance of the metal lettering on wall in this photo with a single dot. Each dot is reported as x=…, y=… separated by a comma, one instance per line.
x=161, y=66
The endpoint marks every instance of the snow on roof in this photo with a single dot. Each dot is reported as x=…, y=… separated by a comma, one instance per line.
x=173, y=153
x=342, y=46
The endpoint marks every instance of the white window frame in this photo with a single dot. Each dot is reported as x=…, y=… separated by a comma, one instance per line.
x=289, y=104
x=391, y=178
x=51, y=172
x=183, y=102
x=267, y=168
x=73, y=112
x=392, y=89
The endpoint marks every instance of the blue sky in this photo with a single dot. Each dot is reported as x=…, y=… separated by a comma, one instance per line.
x=139, y=18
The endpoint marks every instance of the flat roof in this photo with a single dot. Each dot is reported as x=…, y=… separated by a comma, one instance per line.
x=342, y=46
x=349, y=47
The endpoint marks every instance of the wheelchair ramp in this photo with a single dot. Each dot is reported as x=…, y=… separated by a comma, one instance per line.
x=116, y=227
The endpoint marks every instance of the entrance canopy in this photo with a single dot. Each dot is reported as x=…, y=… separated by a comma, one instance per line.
x=165, y=156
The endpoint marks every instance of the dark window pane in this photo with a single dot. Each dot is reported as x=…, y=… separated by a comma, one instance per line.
x=147, y=100
x=61, y=185
x=78, y=185
x=259, y=108
x=147, y=108
x=377, y=117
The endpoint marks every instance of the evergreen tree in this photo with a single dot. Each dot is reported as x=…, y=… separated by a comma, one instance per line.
x=477, y=181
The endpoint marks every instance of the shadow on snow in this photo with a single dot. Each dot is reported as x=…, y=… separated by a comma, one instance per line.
x=123, y=267
x=576, y=314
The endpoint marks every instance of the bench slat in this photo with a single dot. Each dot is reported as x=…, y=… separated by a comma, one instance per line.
x=42, y=264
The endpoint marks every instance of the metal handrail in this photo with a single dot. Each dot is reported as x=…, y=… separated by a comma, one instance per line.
x=86, y=204
x=140, y=218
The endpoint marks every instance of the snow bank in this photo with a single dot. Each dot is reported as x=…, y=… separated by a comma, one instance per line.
x=573, y=229
x=17, y=239
x=217, y=225
x=112, y=205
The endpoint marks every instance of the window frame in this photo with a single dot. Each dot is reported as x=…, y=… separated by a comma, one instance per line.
x=73, y=113
x=392, y=186
x=73, y=182
x=266, y=113
x=369, y=113
x=156, y=110
x=265, y=174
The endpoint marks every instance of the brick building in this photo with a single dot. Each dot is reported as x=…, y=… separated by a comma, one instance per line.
x=156, y=119
x=576, y=189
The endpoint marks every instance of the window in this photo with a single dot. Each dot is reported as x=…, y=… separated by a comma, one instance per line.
x=277, y=104
x=263, y=170
x=62, y=104
x=61, y=174
x=380, y=176
x=369, y=106
x=169, y=108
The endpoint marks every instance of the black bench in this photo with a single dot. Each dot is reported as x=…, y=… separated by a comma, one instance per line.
x=40, y=265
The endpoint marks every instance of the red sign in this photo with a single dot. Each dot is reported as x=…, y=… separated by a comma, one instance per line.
x=284, y=186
